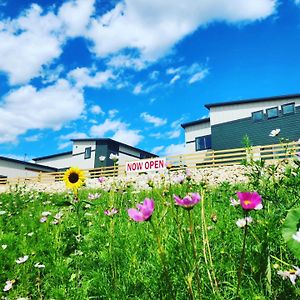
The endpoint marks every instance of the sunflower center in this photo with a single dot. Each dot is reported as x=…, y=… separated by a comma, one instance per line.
x=73, y=177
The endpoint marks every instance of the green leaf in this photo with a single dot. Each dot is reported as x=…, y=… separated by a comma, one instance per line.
x=290, y=227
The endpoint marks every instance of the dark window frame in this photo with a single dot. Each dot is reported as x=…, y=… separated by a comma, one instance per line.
x=206, y=142
x=288, y=104
x=87, y=152
x=271, y=108
x=262, y=114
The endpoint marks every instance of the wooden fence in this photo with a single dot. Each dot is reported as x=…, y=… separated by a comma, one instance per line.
x=204, y=159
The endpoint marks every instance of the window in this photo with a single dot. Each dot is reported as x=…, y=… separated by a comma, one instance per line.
x=272, y=112
x=258, y=116
x=203, y=142
x=288, y=108
x=87, y=152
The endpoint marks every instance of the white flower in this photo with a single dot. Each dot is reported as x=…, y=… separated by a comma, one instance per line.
x=39, y=266
x=8, y=285
x=243, y=222
x=291, y=274
x=93, y=196
x=114, y=157
x=2, y=212
x=296, y=236
x=30, y=234
x=102, y=158
x=4, y=247
x=58, y=215
x=274, y=132
x=43, y=219
x=46, y=213
x=234, y=202
x=21, y=260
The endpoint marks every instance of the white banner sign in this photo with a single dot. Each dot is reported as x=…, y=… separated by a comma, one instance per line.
x=146, y=165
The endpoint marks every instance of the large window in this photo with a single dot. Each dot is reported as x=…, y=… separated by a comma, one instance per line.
x=258, y=116
x=288, y=108
x=272, y=112
x=203, y=142
x=87, y=152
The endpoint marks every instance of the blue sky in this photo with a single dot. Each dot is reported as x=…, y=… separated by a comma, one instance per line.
x=134, y=70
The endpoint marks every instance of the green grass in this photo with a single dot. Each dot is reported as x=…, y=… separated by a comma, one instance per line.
x=89, y=255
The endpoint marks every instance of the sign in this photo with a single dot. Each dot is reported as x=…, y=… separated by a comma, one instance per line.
x=146, y=165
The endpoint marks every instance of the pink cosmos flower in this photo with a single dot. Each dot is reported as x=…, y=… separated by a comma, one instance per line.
x=188, y=201
x=111, y=212
x=250, y=200
x=101, y=179
x=144, y=211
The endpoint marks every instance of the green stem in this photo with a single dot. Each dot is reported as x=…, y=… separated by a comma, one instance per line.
x=242, y=259
x=161, y=253
x=192, y=236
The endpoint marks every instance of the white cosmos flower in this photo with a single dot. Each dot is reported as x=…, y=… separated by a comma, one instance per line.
x=8, y=285
x=114, y=157
x=243, y=222
x=234, y=202
x=296, y=236
x=46, y=213
x=2, y=212
x=21, y=260
x=4, y=247
x=291, y=274
x=39, y=266
x=274, y=132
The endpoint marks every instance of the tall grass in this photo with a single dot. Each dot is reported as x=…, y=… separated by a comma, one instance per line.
x=178, y=254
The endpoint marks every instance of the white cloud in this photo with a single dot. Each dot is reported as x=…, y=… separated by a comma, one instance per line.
x=157, y=149
x=64, y=145
x=112, y=113
x=33, y=138
x=126, y=61
x=154, y=27
x=297, y=1
x=97, y=110
x=35, y=38
x=173, y=134
x=174, y=79
x=154, y=75
x=156, y=121
x=117, y=130
x=28, y=108
x=137, y=89
x=83, y=77
x=175, y=149
x=75, y=16
x=198, y=76
x=128, y=136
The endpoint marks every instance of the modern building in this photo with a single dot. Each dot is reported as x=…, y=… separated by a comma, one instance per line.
x=12, y=168
x=229, y=122
x=86, y=154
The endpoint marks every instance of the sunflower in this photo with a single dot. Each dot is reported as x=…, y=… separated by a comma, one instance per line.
x=74, y=178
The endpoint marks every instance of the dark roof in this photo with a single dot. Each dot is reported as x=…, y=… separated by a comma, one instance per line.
x=205, y=120
x=29, y=164
x=208, y=106
x=53, y=155
x=107, y=140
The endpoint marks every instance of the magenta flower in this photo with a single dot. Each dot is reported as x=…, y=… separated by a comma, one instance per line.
x=111, y=212
x=188, y=201
x=101, y=179
x=250, y=200
x=144, y=211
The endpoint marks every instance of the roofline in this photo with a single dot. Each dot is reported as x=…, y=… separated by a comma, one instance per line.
x=205, y=120
x=111, y=140
x=53, y=155
x=290, y=96
x=27, y=163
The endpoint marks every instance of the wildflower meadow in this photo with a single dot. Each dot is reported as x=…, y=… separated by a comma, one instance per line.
x=174, y=237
